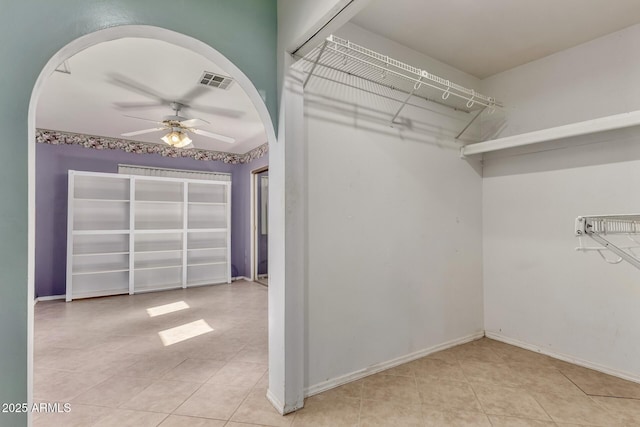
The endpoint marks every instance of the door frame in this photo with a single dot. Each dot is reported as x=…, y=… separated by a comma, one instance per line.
x=254, y=221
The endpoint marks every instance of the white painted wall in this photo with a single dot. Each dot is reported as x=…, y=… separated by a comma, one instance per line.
x=296, y=20
x=538, y=290
x=592, y=80
x=393, y=255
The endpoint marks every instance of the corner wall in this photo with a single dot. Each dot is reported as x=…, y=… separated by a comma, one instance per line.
x=538, y=289
x=394, y=264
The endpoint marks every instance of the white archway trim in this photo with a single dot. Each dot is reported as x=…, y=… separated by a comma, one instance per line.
x=75, y=46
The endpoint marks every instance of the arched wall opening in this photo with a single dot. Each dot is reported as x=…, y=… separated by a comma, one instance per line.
x=77, y=45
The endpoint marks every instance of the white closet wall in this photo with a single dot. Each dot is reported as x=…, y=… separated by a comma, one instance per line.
x=394, y=230
x=538, y=290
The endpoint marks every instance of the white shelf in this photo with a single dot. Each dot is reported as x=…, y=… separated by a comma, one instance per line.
x=166, y=287
x=201, y=193
x=101, y=293
x=149, y=243
x=157, y=267
x=130, y=234
x=210, y=272
x=206, y=263
x=207, y=203
x=159, y=251
x=204, y=283
x=160, y=202
x=102, y=253
x=82, y=273
x=377, y=74
x=98, y=186
x=159, y=231
x=94, y=232
x=102, y=200
x=205, y=249
x=103, y=244
x=152, y=189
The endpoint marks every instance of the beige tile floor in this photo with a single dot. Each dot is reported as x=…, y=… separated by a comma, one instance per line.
x=107, y=358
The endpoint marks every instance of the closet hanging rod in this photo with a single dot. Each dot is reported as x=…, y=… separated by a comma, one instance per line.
x=416, y=76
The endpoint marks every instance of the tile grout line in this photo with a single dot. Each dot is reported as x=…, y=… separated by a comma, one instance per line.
x=589, y=396
x=243, y=400
x=533, y=397
x=572, y=382
x=361, y=404
x=187, y=398
x=613, y=397
x=484, y=411
x=415, y=381
x=504, y=362
x=164, y=419
x=553, y=420
x=594, y=395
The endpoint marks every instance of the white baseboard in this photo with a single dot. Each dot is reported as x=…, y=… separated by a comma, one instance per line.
x=564, y=357
x=374, y=369
x=233, y=279
x=49, y=298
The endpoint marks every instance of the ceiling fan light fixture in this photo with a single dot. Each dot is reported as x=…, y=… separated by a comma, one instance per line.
x=177, y=138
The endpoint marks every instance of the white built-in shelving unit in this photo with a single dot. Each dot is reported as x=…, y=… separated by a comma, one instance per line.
x=131, y=234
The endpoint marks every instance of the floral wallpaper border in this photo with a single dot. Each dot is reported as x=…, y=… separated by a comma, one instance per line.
x=54, y=137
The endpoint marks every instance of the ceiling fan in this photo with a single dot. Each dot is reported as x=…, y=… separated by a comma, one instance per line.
x=178, y=127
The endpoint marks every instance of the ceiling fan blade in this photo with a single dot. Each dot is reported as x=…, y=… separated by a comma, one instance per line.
x=225, y=112
x=142, y=118
x=137, y=105
x=193, y=122
x=140, y=132
x=134, y=86
x=213, y=135
x=194, y=93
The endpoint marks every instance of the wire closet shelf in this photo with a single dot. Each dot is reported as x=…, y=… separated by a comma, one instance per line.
x=601, y=227
x=337, y=54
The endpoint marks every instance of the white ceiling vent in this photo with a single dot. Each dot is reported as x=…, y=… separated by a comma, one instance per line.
x=215, y=80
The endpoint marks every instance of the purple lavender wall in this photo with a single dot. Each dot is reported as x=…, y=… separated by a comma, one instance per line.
x=52, y=165
x=242, y=180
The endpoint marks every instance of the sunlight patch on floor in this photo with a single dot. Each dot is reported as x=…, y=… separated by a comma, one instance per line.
x=167, y=308
x=184, y=332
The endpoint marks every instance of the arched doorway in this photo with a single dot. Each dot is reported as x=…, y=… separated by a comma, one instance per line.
x=76, y=46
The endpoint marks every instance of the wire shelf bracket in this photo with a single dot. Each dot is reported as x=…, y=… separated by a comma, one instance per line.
x=597, y=227
x=339, y=54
